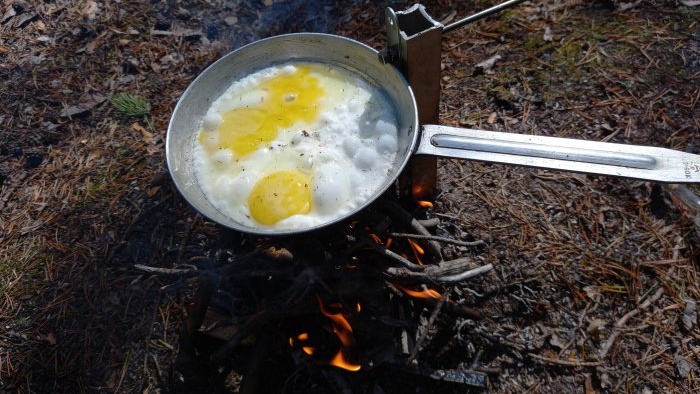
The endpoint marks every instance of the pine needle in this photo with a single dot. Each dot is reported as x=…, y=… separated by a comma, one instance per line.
x=130, y=105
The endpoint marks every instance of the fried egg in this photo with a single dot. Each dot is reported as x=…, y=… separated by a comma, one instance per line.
x=295, y=145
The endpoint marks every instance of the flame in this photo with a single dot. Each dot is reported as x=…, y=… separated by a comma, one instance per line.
x=343, y=330
x=309, y=350
x=340, y=362
x=358, y=307
x=341, y=326
x=424, y=204
x=418, y=190
x=378, y=240
x=303, y=337
x=425, y=293
x=417, y=250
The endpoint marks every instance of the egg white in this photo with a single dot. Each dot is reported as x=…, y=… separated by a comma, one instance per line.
x=347, y=151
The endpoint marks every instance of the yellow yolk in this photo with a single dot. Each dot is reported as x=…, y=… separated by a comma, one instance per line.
x=280, y=195
x=290, y=98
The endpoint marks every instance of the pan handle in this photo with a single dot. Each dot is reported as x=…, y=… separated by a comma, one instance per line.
x=592, y=157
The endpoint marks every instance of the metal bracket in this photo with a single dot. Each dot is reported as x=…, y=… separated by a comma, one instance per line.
x=414, y=46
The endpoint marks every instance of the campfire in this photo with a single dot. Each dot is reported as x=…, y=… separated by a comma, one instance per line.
x=372, y=294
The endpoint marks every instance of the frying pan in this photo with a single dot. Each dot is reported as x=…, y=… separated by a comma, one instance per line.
x=640, y=162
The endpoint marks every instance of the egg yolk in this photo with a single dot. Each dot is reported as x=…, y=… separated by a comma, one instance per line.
x=280, y=195
x=289, y=98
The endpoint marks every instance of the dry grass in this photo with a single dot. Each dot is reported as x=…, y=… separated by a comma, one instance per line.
x=579, y=259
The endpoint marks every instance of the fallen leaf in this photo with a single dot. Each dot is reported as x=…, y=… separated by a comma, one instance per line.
x=86, y=102
x=595, y=326
x=556, y=342
x=9, y=13
x=682, y=366
x=147, y=135
x=89, y=9
x=491, y=118
x=689, y=317
x=593, y=292
x=488, y=64
x=548, y=36
x=72, y=110
x=627, y=6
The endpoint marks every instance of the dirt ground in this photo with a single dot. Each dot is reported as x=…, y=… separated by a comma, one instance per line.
x=595, y=279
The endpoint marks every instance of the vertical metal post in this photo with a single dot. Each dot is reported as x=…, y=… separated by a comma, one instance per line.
x=415, y=45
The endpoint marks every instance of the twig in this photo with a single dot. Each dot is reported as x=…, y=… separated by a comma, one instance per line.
x=394, y=256
x=438, y=238
x=566, y=363
x=167, y=271
x=623, y=320
x=429, y=223
x=427, y=327
x=446, y=272
x=453, y=307
x=466, y=274
x=183, y=243
x=397, y=213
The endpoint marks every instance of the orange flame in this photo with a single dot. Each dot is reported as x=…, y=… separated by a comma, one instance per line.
x=417, y=250
x=424, y=204
x=425, y=293
x=309, y=350
x=341, y=326
x=340, y=362
x=378, y=240
x=303, y=337
x=343, y=330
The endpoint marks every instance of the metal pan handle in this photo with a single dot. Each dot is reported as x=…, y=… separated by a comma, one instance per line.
x=592, y=157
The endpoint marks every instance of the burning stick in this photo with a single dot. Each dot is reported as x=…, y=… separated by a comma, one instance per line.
x=432, y=298
x=388, y=253
x=438, y=238
x=397, y=213
x=423, y=334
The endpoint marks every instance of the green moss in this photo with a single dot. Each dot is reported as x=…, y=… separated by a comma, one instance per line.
x=21, y=268
x=537, y=46
x=96, y=186
x=502, y=93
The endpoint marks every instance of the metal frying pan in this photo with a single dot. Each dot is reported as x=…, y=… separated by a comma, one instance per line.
x=640, y=162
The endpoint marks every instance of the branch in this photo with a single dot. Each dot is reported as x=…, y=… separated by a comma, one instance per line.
x=620, y=323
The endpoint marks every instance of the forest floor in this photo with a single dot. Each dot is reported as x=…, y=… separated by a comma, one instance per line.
x=595, y=281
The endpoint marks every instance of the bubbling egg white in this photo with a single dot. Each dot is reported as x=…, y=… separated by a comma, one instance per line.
x=295, y=145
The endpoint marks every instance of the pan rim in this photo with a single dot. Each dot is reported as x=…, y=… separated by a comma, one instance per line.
x=406, y=94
